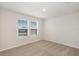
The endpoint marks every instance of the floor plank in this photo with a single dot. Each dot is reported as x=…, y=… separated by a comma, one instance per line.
x=42, y=48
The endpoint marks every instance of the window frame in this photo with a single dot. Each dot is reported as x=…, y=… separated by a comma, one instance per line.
x=36, y=28
x=27, y=28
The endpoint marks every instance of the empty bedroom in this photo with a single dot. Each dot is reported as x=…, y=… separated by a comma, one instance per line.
x=39, y=28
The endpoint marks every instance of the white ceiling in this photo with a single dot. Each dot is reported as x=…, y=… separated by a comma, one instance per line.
x=53, y=9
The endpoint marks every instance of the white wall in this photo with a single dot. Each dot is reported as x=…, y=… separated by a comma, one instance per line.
x=0, y=29
x=63, y=30
x=8, y=30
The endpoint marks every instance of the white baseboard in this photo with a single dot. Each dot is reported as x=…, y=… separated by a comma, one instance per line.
x=64, y=44
x=17, y=46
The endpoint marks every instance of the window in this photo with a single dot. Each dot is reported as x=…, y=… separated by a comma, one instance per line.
x=33, y=27
x=26, y=28
x=22, y=28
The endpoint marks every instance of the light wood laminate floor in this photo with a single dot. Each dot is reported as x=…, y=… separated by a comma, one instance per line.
x=42, y=48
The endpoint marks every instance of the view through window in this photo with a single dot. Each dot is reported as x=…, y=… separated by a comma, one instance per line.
x=23, y=27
